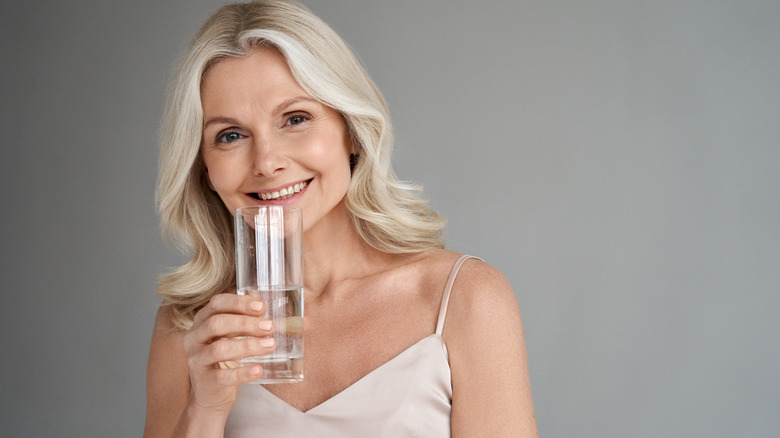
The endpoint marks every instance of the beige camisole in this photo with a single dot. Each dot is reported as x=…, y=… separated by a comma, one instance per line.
x=407, y=396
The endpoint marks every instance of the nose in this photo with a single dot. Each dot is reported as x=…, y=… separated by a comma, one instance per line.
x=268, y=159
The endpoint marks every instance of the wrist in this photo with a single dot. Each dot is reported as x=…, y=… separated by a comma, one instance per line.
x=199, y=421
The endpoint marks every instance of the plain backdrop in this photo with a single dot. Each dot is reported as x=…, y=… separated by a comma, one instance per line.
x=617, y=160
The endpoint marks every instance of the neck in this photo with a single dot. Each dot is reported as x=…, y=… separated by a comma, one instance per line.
x=334, y=252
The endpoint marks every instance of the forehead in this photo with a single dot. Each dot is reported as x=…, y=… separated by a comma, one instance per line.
x=262, y=73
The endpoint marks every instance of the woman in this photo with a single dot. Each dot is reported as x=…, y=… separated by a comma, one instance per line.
x=403, y=338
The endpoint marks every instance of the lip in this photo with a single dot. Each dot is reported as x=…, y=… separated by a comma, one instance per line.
x=286, y=201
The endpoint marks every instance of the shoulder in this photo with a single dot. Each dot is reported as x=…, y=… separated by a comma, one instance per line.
x=434, y=262
x=164, y=327
x=167, y=377
x=485, y=342
x=167, y=358
x=480, y=293
x=482, y=303
x=475, y=282
x=476, y=275
x=167, y=339
x=479, y=285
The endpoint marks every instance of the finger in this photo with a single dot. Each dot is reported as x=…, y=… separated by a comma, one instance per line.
x=231, y=326
x=225, y=351
x=240, y=375
x=230, y=303
x=229, y=365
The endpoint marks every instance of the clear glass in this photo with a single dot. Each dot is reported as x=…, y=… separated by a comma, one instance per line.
x=269, y=265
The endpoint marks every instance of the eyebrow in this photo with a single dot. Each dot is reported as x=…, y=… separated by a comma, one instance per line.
x=289, y=102
x=225, y=120
x=279, y=108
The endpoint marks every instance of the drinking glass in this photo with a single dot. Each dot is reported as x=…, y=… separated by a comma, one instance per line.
x=269, y=265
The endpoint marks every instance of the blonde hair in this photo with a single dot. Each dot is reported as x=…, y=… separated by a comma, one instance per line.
x=387, y=213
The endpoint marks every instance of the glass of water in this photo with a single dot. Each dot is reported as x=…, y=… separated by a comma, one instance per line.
x=269, y=265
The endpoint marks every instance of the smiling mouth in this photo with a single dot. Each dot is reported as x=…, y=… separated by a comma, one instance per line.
x=284, y=193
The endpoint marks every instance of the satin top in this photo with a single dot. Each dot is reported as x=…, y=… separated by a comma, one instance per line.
x=408, y=396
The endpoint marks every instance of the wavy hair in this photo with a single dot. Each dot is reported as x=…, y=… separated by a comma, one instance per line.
x=388, y=214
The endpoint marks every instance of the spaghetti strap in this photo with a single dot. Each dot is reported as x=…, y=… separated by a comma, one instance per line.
x=445, y=299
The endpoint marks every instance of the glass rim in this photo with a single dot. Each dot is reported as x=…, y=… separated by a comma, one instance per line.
x=253, y=209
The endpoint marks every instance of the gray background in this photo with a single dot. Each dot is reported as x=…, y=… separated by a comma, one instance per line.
x=616, y=159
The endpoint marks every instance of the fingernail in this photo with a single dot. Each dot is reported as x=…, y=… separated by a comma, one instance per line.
x=267, y=342
x=265, y=324
x=256, y=306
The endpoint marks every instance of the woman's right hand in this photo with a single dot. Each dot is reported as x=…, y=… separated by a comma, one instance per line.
x=229, y=328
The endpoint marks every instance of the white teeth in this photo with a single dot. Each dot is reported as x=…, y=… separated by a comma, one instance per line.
x=289, y=191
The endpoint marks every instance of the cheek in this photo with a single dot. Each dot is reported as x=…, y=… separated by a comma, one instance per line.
x=221, y=174
x=331, y=153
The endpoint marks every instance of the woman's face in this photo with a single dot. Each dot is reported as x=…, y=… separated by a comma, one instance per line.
x=267, y=142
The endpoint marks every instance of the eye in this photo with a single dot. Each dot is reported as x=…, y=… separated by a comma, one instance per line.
x=297, y=119
x=229, y=137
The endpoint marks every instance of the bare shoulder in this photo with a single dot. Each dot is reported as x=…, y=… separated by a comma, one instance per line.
x=166, y=334
x=485, y=341
x=435, y=263
x=476, y=282
x=167, y=376
x=482, y=299
x=164, y=320
x=478, y=276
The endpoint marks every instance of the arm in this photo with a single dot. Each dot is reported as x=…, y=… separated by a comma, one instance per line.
x=484, y=336
x=167, y=377
x=193, y=375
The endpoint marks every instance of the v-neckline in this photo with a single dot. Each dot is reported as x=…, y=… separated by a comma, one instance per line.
x=358, y=382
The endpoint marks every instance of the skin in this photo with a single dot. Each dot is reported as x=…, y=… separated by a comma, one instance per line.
x=263, y=135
